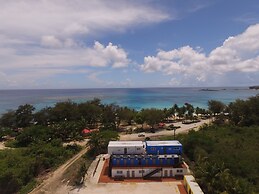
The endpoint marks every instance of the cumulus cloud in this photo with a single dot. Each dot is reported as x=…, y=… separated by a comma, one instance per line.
x=64, y=59
x=40, y=39
x=237, y=54
x=109, y=55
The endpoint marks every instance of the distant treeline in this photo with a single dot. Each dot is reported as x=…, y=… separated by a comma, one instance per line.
x=92, y=112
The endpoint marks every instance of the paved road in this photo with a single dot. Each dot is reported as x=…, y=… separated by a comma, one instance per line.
x=185, y=128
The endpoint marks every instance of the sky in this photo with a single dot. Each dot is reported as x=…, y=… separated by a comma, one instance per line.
x=128, y=43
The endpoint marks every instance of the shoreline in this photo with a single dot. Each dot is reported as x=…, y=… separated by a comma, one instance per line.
x=134, y=98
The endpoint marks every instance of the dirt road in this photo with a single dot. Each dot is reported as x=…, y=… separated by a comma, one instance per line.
x=53, y=181
x=2, y=146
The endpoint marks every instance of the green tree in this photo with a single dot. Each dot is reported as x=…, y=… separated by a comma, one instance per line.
x=216, y=107
x=190, y=110
x=68, y=130
x=152, y=116
x=65, y=111
x=90, y=112
x=215, y=178
x=33, y=134
x=245, y=113
x=181, y=111
x=99, y=141
x=24, y=115
x=45, y=116
x=139, y=119
x=8, y=119
x=125, y=114
x=109, y=117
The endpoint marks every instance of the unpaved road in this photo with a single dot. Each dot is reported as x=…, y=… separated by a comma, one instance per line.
x=53, y=180
x=2, y=146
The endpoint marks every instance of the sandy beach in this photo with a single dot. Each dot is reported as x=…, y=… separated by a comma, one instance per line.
x=185, y=128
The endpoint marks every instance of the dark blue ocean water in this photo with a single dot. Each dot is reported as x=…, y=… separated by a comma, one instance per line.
x=136, y=98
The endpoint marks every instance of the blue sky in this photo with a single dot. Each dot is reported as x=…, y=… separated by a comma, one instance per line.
x=148, y=43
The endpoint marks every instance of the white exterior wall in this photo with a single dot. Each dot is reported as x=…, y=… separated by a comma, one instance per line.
x=191, y=185
x=130, y=150
x=132, y=147
x=140, y=172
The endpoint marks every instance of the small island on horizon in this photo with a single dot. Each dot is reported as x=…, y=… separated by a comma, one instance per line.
x=254, y=87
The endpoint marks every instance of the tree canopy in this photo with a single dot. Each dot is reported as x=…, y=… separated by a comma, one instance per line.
x=98, y=141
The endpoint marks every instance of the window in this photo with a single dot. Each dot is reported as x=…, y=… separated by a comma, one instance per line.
x=138, y=148
x=179, y=170
x=141, y=171
x=160, y=160
x=153, y=149
x=119, y=172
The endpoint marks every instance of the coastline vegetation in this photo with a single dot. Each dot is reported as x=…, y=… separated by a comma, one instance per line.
x=223, y=155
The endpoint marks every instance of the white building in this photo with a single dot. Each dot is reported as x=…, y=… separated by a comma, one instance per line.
x=126, y=147
x=147, y=172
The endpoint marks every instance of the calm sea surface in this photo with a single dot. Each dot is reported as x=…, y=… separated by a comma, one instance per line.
x=136, y=98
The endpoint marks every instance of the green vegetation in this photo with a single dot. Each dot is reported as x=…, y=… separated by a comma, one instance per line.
x=226, y=158
x=225, y=155
x=75, y=174
x=216, y=107
x=99, y=141
x=19, y=166
x=37, y=139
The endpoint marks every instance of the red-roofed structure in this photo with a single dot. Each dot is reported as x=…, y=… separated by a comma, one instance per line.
x=86, y=131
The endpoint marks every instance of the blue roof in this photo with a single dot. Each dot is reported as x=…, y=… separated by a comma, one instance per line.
x=163, y=143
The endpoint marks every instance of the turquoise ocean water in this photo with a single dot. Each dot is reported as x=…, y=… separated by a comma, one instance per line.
x=136, y=98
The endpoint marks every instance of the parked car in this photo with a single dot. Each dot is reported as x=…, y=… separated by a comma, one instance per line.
x=141, y=135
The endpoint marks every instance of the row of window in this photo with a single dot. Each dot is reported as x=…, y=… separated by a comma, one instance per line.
x=174, y=148
x=168, y=161
x=142, y=171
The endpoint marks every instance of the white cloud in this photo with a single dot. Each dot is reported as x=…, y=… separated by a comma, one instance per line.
x=110, y=55
x=73, y=18
x=64, y=58
x=237, y=54
x=51, y=41
x=40, y=39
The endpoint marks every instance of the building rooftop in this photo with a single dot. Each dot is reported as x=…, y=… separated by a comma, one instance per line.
x=126, y=143
x=163, y=143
